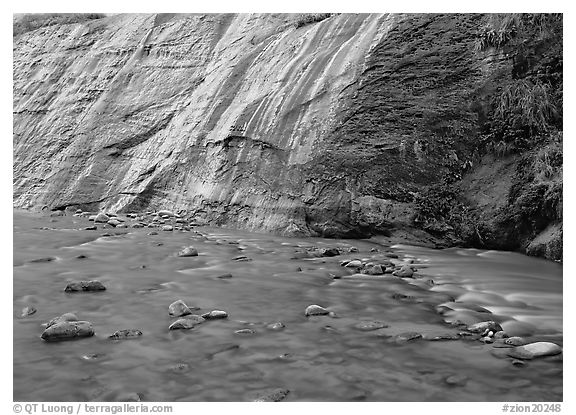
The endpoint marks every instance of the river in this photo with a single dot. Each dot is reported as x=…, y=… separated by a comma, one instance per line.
x=321, y=358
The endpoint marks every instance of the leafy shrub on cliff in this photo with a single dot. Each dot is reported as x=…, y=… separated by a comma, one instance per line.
x=29, y=22
x=522, y=113
x=309, y=18
x=527, y=106
x=441, y=211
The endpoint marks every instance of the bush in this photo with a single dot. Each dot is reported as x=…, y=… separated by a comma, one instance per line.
x=306, y=19
x=29, y=22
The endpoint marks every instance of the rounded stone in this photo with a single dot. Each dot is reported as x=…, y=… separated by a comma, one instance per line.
x=186, y=323
x=63, y=318
x=356, y=263
x=67, y=330
x=179, y=308
x=188, y=252
x=215, y=314
x=315, y=310
x=404, y=272
x=534, y=350
x=101, y=218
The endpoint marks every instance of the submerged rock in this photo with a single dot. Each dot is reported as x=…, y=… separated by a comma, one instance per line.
x=277, y=326
x=245, y=332
x=370, y=325
x=241, y=258
x=355, y=263
x=404, y=272
x=79, y=286
x=534, y=350
x=125, y=334
x=329, y=252
x=113, y=222
x=224, y=276
x=187, y=323
x=276, y=395
x=484, y=327
x=215, y=314
x=178, y=308
x=407, y=336
x=101, y=218
x=315, y=310
x=166, y=213
x=456, y=380
x=67, y=330
x=28, y=311
x=167, y=228
x=374, y=270
x=188, y=251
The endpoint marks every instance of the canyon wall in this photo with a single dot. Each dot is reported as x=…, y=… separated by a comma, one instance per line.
x=327, y=128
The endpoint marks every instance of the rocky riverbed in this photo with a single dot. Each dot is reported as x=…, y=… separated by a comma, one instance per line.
x=151, y=307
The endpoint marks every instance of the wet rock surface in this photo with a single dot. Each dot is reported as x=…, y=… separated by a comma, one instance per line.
x=187, y=323
x=79, y=286
x=67, y=330
x=315, y=310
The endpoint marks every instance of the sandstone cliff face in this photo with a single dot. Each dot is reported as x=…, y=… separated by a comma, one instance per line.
x=247, y=120
x=211, y=114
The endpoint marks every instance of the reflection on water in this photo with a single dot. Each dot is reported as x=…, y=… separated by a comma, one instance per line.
x=318, y=358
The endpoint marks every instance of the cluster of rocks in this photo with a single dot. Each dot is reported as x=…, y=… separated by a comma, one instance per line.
x=188, y=321
x=164, y=220
x=379, y=267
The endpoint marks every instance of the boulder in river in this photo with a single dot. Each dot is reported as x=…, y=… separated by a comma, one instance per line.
x=113, y=222
x=167, y=228
x=187, y=323
x=374, y=270
x=125, y=334
x=188, y=251
x=166, y=213
x=90, y=228
x=215, y=314
x=78, y=286
x=276, y=395
x=484, y=327
x=328, y=252
x=315, y=310
x=355, y=263
x=404, y=272
x=533, y=350
x=67, y=330
x=101, y=218
x=179, y=308
x=63, y=318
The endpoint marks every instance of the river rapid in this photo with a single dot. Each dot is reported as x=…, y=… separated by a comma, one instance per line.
x=319, y=358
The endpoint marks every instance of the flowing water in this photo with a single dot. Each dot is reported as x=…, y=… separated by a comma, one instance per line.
x=323, y=358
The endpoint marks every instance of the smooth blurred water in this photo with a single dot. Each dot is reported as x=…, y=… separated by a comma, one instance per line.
x=317, y=358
